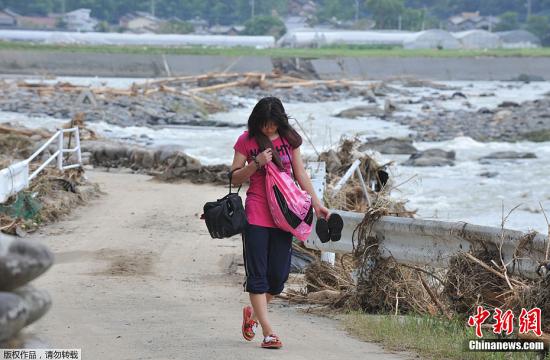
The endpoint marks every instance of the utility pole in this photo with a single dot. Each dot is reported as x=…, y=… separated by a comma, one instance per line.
x=153, y=7
x=63, y=9
x=252, y=5
x=356, y=10
x=399, y=22
x=529, y=7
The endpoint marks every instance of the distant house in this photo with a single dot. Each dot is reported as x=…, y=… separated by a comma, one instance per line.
x=8, y=18
x=295, y=22
x=140, y=22
x=200, y=25
x=80, y=20
x=37, y=22
x=471, y=21
x=226, y=30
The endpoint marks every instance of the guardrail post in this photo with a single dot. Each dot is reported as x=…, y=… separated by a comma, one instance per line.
x=318, y=174
x=60, y=149
x=77, y=141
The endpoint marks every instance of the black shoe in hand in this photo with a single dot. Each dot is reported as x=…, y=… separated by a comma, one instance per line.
x=335, y=226
x=321, y=228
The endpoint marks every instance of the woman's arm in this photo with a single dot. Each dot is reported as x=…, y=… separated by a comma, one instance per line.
x=303, y=179
x=245, y=172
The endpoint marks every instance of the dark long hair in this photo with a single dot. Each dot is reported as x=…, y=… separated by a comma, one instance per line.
x=271, y=109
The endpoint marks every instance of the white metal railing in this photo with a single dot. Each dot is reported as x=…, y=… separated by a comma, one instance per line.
x=17, y=176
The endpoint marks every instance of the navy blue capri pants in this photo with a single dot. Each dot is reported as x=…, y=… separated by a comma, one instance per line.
x=266, y=254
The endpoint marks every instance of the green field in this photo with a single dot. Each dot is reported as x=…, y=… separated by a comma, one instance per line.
x=341, y=51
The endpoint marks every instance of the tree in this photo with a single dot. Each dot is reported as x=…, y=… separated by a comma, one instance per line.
x=540, y=26
x=103, y=26
x=265, y=25
x=386, y=12
x=175, y=27
x=508, y=21
x=339, y=9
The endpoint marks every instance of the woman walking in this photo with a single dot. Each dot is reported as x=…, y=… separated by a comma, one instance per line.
x=266, y=248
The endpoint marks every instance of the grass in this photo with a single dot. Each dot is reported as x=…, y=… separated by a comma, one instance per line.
x=537, y=136
x=429, y=337
x=333, y=51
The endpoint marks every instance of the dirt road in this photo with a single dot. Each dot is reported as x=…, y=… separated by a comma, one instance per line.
x=138, y=277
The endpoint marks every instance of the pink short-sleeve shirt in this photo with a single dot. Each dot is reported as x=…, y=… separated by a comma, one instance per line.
x=256, y=207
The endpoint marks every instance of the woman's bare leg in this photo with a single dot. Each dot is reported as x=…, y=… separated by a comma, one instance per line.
x=268, y=298
x=259, y=303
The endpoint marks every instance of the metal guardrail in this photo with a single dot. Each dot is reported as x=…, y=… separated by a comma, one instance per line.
x=432, y=242
x=16, y=177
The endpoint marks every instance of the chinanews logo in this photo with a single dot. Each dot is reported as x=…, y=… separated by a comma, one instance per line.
x=528, y=325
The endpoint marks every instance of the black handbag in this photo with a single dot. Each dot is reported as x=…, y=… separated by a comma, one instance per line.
x=226, y=216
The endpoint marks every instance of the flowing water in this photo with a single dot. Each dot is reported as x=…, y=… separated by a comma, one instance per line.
x=456, y=193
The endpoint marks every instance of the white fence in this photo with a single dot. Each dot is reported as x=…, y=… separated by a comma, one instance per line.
x=17, y=176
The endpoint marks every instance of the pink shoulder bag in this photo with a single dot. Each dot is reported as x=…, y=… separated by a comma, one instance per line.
x=290, y=206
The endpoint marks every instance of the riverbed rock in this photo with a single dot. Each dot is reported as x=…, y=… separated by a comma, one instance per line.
x=390, y=145
x=431, y=157
x=13, y=315
x=507, y=104
x=361, y=111
x=527, y=78
x=489, y=174
x=21, y=261
x=502, y=115
x=508, y=155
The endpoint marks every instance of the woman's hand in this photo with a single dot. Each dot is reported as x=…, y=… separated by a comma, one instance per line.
x=321, y=211
x=265, y=156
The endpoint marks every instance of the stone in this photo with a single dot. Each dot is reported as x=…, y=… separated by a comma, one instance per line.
x=506, y=104
x=502, y=115
x=528, y=78
x=21, y=261
x=390, y=146
x=360, y=111
x=431, y=157
x=485, y=110
x=389, y=107
x=489, y=174
x=506, y=155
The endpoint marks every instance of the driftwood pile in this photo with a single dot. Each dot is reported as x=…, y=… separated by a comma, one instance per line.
x=363, y=280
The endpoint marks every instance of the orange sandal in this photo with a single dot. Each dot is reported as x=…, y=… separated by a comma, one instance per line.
x=272, y=342
x=249, y=325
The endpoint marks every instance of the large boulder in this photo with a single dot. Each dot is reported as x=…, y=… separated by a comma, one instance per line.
x=20, y=308
x=390, y=146
x=21, y=261
x=506, y=155
x=431, y=157
x=13, y=315
x=37, y=301
x=361, y=111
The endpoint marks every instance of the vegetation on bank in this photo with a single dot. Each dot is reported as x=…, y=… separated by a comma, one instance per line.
x=430, y=337
x=333, y=51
